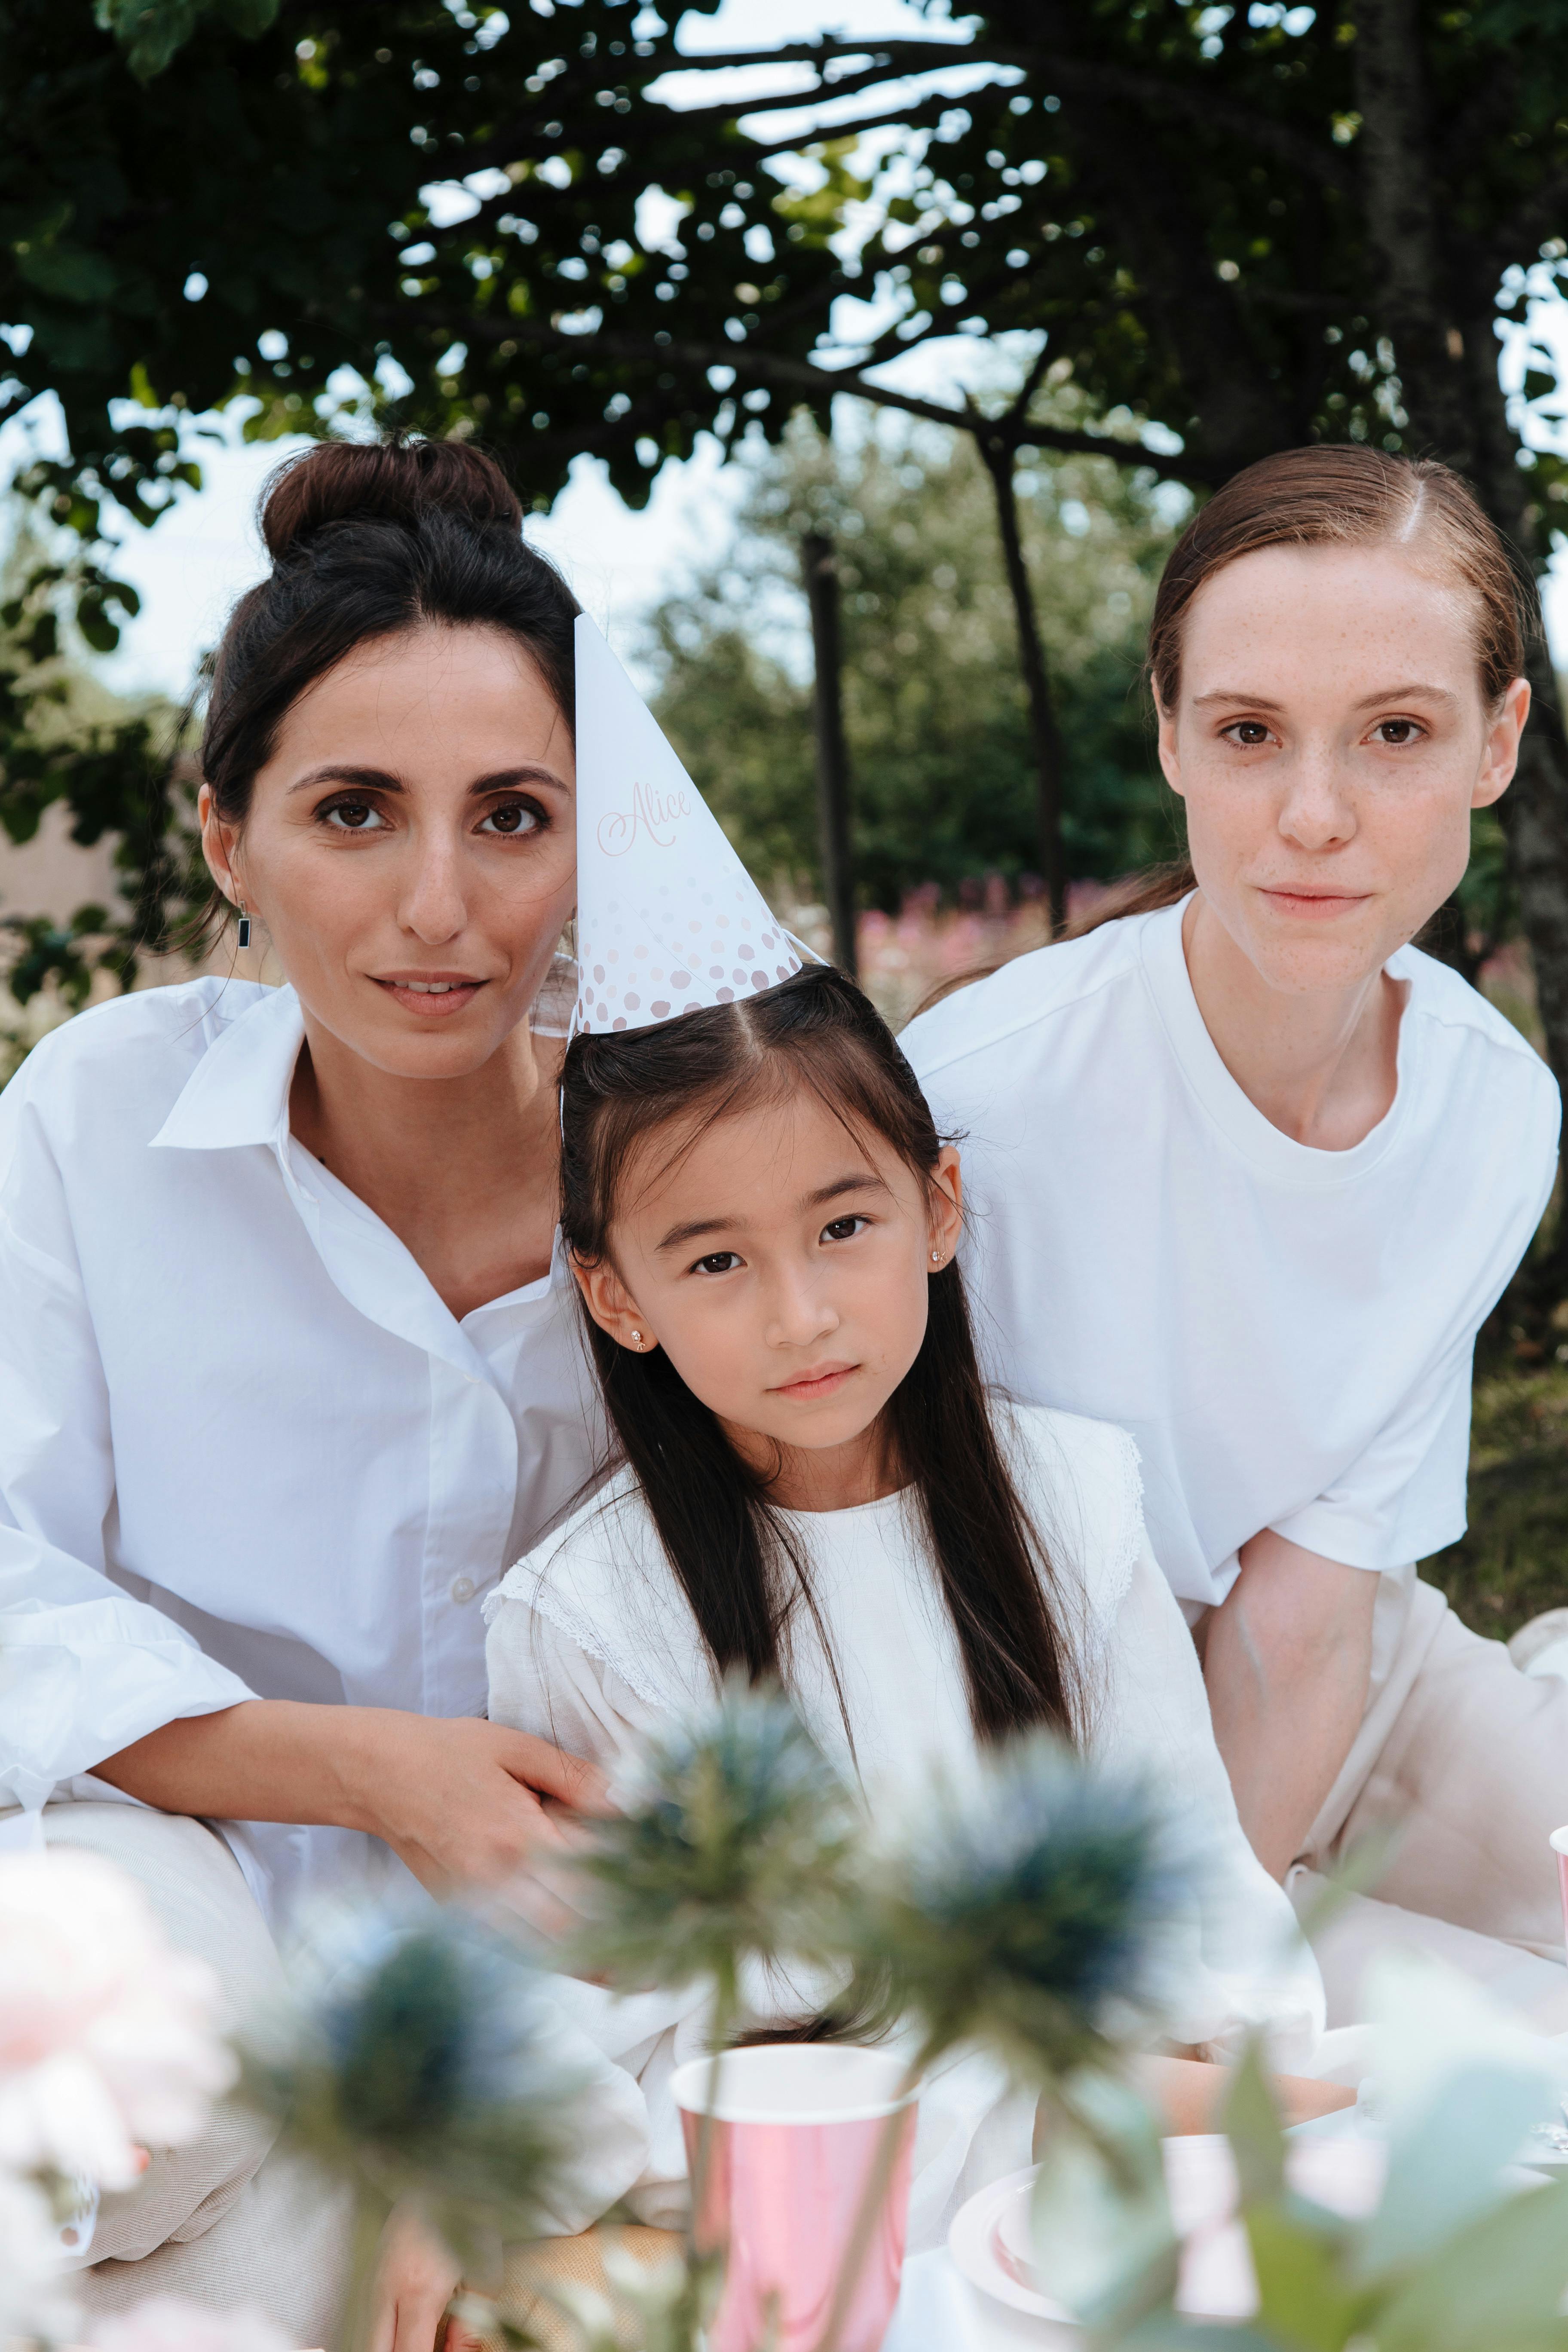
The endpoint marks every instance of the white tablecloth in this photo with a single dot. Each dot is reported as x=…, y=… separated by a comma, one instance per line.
x=938, y=2311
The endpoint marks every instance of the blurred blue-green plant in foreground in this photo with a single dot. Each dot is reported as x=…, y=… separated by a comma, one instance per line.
x=1021, y=1914
x=412, y=2062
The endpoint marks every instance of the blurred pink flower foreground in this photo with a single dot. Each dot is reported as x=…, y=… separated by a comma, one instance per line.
x=107, y=2037
x=166, y=2323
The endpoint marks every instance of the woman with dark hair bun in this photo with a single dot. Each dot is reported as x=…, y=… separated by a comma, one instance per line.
x=288, y=1366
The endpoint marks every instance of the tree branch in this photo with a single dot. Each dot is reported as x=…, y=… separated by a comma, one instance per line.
x=918, y=115
x=1207, y=107
x=530, y=127
x=770, y=367
x=1031, y=384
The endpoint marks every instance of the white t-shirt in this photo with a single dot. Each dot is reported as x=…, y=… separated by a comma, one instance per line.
x=593, y=1644
x=1287, y=1332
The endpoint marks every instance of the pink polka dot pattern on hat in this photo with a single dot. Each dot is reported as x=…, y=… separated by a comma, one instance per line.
x=648, y=932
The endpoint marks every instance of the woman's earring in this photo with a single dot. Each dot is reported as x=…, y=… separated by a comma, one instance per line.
x=936, y=1257
x=636, y=1338
x=244, y=925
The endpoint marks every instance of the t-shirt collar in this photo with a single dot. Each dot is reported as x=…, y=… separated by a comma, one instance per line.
x=239, y=1091
x=1231, y=1109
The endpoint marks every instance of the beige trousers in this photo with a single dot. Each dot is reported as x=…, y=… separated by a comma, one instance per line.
x=1460, y=1771
x=223, y=2223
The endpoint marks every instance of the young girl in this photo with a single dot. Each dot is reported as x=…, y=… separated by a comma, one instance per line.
x=814, y=1483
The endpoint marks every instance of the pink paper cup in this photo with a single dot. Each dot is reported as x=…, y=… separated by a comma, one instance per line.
x=1559, y=1844
x=797, y=2134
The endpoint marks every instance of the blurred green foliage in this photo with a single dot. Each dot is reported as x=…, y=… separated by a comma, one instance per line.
x=1510, y=1563
x=63, y=736
x=942, y=777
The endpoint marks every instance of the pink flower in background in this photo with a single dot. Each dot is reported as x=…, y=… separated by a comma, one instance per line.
x=107, y=2042
x=166, y=2323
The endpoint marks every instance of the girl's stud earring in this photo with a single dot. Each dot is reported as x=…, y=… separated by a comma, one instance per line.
x=244, y=925
x=936, y=1257
x=636, y=1338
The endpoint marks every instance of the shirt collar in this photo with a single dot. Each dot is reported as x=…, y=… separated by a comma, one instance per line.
x=239, y=1091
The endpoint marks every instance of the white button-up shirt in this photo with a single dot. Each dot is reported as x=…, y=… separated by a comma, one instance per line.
x=245, y=1449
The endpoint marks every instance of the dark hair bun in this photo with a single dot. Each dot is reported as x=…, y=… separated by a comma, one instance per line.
x=386, y=481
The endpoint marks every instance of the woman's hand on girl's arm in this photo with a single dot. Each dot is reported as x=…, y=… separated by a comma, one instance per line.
x=461, y=1801
x=416, y=2280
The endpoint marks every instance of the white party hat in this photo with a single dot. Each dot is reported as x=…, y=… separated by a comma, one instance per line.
x=668, y=918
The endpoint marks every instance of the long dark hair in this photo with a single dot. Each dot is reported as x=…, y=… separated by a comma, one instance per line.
x=368, y=539
x=741, y=1575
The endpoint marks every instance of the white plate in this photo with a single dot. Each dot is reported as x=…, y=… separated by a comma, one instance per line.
x=989, y=2240
x=975, y=2243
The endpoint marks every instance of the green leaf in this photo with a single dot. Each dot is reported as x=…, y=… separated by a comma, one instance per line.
x=153, y=32
x=248, y=18
x=41, y=638
x=1167, y=2331
x=68, y=272
x=1251, y=2124
x=1496, y=2287
x=1303, y=2297
x=149, y=31
x=1444, y=2165
x=46, y=954
x=101, y=634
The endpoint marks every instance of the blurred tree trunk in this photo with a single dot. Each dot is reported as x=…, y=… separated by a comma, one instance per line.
x=1000, y=452
x=1438, y=293
x=821, y=570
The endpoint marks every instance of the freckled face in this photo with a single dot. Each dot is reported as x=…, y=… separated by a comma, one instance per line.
x=782, y=1261
x=1330, y=739
x=411, y=847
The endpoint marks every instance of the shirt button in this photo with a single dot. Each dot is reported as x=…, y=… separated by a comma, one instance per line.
x=463, y=1589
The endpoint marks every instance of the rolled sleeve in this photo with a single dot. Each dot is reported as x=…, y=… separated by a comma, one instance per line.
x=1403, y=1497
x=84, y=1668
x=84, y=1671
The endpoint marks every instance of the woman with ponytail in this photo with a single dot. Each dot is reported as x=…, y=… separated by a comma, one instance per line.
x=289, y=1373
x=1248, y=1172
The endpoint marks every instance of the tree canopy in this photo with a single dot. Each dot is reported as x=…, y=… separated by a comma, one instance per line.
x=251, y=220
x=1240, y=228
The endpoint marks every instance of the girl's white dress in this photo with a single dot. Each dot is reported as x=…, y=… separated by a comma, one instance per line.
x=592, y=1643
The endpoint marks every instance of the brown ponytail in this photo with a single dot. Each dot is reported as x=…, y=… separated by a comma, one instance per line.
x=1332, y=494
x=1343, y=494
